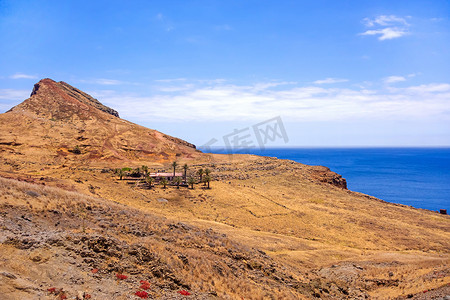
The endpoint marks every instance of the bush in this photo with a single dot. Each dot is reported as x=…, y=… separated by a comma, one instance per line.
x=76, y=150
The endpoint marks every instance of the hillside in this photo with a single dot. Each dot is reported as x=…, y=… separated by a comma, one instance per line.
x=319, y=239
x=53, y=238
x=58, y=118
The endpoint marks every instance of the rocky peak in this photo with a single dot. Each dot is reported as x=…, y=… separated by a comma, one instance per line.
x=61, y=100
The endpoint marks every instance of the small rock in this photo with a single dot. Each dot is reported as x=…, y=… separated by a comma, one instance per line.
x=32, y=194
x=9, y=275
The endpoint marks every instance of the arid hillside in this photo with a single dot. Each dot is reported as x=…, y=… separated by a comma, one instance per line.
x=266, y=228
x=60, y=124
x=51, y=238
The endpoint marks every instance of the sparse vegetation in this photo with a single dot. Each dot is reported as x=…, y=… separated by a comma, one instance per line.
x=174, y=166
x=163, y=181
x=121, y=276
x=200, y=173
x=191, y=182
x=177, y=180
x=207, y=180
x=76, y=150
x=202, y=267
x=149, y=180
x=136, y=173
x=185, y=168
x=145, y=170
x=121, y=173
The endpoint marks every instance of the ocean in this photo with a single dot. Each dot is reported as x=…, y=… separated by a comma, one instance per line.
x=419, y=177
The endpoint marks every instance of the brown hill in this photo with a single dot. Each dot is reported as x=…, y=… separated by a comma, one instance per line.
x=62, y=124
x=61, y=101
x=324, y=240
x=46, y=232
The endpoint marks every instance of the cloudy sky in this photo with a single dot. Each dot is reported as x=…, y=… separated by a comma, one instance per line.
x=337, y=73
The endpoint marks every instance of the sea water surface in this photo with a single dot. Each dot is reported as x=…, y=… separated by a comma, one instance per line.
x=419, y=177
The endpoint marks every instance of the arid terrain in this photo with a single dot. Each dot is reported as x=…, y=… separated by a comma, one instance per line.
x=266, y=229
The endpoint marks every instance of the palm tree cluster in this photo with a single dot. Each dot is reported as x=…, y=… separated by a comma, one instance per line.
x=143, y=175
x=205, y=178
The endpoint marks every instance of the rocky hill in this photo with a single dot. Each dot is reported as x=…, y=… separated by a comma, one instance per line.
x=70, y=226
x=63, y=124
x=60, y=100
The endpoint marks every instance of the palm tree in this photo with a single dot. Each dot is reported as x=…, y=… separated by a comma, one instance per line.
x=149, y=181
x=174, y=166
x=121, y=173
x=207, y=179
x=206, y=172
x=191, y=181
x=136, y=172
x=177, y=181
x=200, y=173
x=145, y=170
x=185, y=168
x=164, y=182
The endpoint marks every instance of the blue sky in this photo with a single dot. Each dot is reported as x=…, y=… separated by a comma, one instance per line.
x=338, y=73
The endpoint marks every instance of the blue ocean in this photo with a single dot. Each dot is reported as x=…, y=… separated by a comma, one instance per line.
x=419, y=177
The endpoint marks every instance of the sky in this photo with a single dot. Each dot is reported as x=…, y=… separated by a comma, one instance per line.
x=330, y=73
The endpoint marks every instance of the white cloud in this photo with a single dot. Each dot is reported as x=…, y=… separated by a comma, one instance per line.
x=173, y=88
x=13, y=95
x=386, y=33
x=384, y=20
x=330, y=80
x=182, y=84
x=108, y=81
x=387, y=27
x=230, y=102
x=171, y=80
x=102, y=81
x=394, y=79
x=429, y=88
x=22, y=76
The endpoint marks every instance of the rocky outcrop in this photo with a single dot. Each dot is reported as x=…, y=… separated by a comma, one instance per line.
x=61, y=101
x=324, y=174
x=47, y=88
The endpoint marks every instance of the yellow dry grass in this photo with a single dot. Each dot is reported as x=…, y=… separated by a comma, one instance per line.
x=285, y=212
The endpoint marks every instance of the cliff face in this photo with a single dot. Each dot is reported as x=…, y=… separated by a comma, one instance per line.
x=58, y=117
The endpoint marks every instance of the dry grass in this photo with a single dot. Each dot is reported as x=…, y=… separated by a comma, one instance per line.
x=280, y=208
x=201, y=259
